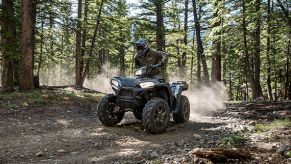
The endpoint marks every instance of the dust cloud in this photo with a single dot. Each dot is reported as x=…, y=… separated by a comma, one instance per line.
x=205, y=101
x=101, y=82
x=56, y=76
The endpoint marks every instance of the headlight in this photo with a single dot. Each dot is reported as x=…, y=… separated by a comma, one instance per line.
x=138, y=72
x=147, y=85
x=114, y=84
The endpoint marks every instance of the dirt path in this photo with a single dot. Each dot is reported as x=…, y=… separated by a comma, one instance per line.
x=70, y=133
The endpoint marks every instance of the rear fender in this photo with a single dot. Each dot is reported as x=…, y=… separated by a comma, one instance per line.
x=167, y=90
x=177, y=89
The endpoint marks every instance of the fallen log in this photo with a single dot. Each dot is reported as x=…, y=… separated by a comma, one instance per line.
x=222, y=155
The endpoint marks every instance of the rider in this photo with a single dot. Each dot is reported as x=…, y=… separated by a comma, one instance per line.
x=155, y=60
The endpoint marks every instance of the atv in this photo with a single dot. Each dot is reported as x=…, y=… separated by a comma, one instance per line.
x=151, y=100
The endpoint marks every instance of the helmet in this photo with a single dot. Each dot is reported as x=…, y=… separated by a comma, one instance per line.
x=141, y=44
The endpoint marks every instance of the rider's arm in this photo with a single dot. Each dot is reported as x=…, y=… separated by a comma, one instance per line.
x=137, y=64
x=163, y=58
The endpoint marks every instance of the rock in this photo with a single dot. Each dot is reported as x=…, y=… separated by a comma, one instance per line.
x=39, y=154
x=273, y=115
x=64, y=140
x=274, y=145
x=281, y=150
x=154, y=154
x=253, y=123
x=97, y=144
x=259, y=99
x=281, y=99
x=61, y=151
x=74, y=153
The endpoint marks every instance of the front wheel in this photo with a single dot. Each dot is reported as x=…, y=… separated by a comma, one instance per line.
x=106, y=113
x=156, y=115
x=184, y=112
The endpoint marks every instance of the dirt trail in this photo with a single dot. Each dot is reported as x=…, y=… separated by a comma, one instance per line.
x=71, y=133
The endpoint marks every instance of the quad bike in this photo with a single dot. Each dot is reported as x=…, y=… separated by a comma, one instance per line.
x=150, y=100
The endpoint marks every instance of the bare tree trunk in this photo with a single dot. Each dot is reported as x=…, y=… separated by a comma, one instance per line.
x=257, y=50
x=179, y=63
x=287, y=92
x=78, y=70
x=160, y=34
x=287, y=75
x=41, y=47
x=185, y=40
x=8, y=44
x=216, y=56
x=247, y=66
x=230, y=86
x=269, y=87
x=27, y=44
x=92, y=42
x=275, y=68
x=192, y=61
x=84, y=36
x=200, y=49
x=122, y=54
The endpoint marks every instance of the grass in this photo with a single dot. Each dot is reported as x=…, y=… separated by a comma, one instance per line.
x=232, y=140
x=156, y=162
x=41, y=98
x=280, y=123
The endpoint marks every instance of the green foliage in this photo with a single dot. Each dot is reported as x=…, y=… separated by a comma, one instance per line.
x=232, y=140
x=280, y=123
x=156, y=162
x=221, y=21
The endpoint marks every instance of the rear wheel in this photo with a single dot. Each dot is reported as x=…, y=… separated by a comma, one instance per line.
x=184, y=112
x=106, y=111
x=156, y=115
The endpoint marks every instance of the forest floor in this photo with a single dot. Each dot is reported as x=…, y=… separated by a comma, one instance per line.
x=60, y=126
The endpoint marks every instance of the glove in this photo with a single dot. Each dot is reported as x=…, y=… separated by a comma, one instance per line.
x=152, y=67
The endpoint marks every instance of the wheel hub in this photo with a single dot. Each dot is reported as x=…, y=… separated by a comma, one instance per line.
x=160, y=116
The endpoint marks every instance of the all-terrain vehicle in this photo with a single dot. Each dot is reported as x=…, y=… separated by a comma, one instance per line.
x=150, y=100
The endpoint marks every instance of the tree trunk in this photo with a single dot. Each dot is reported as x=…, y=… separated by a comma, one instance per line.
x=185, y=40
x=230, y=86
x=86, y=70
x=200, y=49
x=287, y=76
x=247, y=66
x=285, y=10
x=160, y=35
x=41, y=47
x=78, y=75
x=27, y=44
x=275, y=67
x=269, y=87
x=216, y=56
x=8, y=44
x=257, y=59
x=192, y=61
x=122, y=54
x=84, y=36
